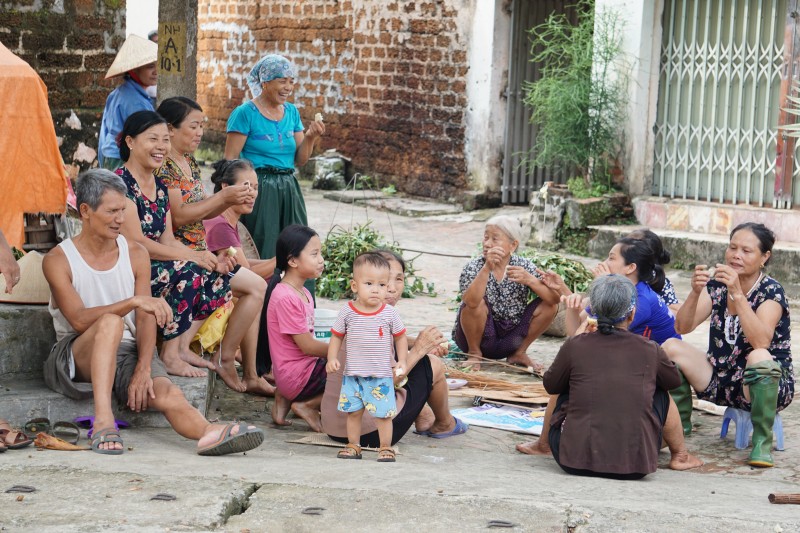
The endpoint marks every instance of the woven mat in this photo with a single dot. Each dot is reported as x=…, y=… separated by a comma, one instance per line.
x=321, y=439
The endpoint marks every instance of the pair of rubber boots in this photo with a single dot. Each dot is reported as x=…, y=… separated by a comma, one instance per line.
x=763, y=379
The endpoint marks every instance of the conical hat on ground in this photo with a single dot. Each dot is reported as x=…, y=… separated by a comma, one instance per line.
x=32, y=287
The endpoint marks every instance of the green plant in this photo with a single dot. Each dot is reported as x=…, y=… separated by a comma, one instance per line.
x=341, y=247
x=578, y=103
x=579, y=189
x=389, y=190
x=17, y=253
x=574, y=273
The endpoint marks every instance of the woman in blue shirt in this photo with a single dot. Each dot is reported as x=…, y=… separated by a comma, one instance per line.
x=268, y=131
x=136, y=61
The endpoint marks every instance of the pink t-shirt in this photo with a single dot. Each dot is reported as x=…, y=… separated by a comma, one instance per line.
x=220, y=234
x=289, y=315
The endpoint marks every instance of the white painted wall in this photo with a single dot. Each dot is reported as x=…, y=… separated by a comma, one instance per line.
x=642, y=48
x=486, y=84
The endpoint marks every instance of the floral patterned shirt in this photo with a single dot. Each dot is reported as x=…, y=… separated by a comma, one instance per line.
x=191, y=187
x=725, y=328
x=667, y=294
x=507, y=298
x=152, y=213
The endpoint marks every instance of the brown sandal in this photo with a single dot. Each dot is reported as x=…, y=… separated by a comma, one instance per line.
x=351, y=451
x=13, y=438
x=386, y=455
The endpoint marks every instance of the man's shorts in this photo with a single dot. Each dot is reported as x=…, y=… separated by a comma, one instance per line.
x=57, y=370
x=376, y=395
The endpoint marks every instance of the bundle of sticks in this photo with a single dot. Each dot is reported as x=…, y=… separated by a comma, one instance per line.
x=479, y=380
x=487, y=361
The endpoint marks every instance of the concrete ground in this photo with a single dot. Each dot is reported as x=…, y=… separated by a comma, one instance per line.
x=456, y=484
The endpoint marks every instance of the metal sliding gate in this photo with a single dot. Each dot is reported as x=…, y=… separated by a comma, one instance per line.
x=518, y=179
x=716, y=131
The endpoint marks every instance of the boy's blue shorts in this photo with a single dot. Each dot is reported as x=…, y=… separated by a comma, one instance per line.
x=376, y=395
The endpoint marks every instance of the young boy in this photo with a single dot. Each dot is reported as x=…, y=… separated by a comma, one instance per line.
x=371, y=329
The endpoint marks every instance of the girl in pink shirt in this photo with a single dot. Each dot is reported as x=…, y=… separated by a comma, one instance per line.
x=297, y=358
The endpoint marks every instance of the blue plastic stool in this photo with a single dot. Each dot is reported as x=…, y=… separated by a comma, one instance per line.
x=744, y=427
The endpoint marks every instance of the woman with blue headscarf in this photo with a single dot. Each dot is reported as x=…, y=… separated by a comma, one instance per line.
x=268, y=131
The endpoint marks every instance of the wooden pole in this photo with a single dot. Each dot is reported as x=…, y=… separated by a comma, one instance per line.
x=785, y=498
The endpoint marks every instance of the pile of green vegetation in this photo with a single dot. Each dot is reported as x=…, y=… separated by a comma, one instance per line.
x=574, y=273
x=340, y=250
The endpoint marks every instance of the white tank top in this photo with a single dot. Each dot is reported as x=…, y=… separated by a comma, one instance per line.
x=98, y=287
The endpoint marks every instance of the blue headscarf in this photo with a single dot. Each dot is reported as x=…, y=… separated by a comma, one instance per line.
x=269, y=68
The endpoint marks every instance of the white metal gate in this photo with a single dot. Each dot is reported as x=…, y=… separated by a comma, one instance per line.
x=719, y=100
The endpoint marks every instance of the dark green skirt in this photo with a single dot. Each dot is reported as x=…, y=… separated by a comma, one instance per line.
x=279, y=204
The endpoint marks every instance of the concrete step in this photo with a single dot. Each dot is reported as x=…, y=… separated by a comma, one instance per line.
x=692, y=248
x=24, y=399
x=26, y=336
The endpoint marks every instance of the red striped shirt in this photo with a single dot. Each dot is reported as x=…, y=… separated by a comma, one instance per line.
x=369, y=341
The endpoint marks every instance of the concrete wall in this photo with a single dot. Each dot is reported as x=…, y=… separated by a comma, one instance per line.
x=393, y=79
x=641, y=48
x=70, y=44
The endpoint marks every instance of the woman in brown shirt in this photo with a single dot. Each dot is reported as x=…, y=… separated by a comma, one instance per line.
x=612, y=405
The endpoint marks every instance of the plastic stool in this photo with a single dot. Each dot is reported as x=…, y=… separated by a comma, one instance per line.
x=744, y=427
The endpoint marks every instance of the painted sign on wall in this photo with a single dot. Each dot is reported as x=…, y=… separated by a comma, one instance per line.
x=172, y=48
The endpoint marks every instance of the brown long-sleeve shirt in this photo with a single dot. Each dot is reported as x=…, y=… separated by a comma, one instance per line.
x=609, y=424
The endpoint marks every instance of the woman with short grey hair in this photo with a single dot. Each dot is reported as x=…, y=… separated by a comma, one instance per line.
x=612, y=385
x=504, y=304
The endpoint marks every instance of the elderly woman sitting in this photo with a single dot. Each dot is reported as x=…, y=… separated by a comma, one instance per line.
x=611, y=385
x=497, y=318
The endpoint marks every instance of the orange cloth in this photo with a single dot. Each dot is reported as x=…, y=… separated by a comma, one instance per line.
x=32, y=177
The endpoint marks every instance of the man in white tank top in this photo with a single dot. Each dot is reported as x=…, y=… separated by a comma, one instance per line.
x=105, y=319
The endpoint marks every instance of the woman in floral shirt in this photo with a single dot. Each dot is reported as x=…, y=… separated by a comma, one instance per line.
x=749, y=363
x=185, y=278
x=496, y=319
x=190, y=206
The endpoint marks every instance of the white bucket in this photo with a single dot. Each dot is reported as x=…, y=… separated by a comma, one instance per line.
x=323, y=322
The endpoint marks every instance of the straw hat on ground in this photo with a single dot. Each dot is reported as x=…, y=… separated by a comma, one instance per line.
x=135, y=52
x=32, y=287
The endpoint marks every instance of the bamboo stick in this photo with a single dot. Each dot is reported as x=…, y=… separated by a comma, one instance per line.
x=778, y=497
x=486, y=360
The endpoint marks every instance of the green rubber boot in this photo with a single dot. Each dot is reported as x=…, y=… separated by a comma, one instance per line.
x=682, y=395
x=762, y=378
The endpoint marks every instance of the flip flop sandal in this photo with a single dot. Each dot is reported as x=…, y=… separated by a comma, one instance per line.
x=13, y=439
x=67, y=431
x=37, y=425
x=351, y=451
x=87, y=422
x=386, y=455
x=244, y=440
x=104, y=436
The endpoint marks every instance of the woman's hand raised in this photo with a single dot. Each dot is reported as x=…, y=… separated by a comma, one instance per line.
x=600, y=270
x=237, y=194
x=495, y=257
x=430, y=340
x=700, y=277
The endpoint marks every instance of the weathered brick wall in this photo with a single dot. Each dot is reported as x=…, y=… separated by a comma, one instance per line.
x=389, y=76
x=70, y=44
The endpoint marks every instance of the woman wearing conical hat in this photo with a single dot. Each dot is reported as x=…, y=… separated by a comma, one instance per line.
x=136, y=63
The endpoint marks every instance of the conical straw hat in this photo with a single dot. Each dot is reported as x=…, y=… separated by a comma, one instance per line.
x=135, y=52
x=32, y=287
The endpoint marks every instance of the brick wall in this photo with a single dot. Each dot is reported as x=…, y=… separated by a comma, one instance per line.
x=388, y=75
x=70, y=44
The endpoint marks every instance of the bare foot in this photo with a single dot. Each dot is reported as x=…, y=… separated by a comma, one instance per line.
x=683, y=460
x=425, y=420
x=309, y=414
x=258, y=386
x=525, y=361
x=537, y=447
x=195, y=360
x=474, y=362
x=280, y=408
x=227, y=371
x=177, y=367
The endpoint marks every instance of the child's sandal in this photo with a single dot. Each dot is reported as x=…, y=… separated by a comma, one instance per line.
x=386, y=455
x=351, y=451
